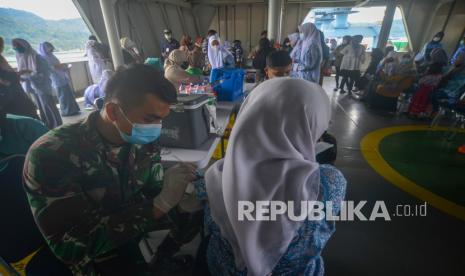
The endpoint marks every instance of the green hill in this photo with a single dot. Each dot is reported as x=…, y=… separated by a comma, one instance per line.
x=65, y=35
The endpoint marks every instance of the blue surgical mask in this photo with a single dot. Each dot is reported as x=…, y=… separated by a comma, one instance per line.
x=141, y=133
x=301, y=35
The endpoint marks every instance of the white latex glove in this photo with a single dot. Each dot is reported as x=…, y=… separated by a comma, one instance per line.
x=175, y=181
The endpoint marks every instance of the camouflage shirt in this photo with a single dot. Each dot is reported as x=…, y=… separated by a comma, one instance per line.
x=89, y=197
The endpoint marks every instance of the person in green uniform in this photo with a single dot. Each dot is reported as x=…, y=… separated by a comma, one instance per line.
x=17, y=133
x=196, y=61
x=96, y=187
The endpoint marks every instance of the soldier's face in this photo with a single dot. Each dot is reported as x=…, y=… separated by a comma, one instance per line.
x=151, y=111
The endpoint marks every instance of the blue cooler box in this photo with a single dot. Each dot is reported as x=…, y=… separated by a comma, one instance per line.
x=228, y=83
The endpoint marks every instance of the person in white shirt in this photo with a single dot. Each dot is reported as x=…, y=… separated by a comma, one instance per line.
x=354, y=56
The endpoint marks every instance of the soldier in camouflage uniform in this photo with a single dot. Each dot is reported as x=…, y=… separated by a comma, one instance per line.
x=94, y=195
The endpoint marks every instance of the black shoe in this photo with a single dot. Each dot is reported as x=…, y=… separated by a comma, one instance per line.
x=343, y=91
x=335, y=89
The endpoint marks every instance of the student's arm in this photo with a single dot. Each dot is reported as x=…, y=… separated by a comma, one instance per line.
x=74, y=226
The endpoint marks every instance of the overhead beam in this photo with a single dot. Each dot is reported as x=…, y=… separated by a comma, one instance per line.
x=179, y=3
x=85, y=17
x=219, y=2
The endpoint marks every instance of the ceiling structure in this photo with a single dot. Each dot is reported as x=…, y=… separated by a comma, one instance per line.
x=144, y=20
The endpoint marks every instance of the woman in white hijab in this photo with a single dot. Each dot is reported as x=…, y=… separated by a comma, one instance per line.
x=311, y=53
x=218, y=56
x=98, y=61
x=35, y=78
x=296, y=45
x=96, y=91
x=271, y=157
x=60, y=80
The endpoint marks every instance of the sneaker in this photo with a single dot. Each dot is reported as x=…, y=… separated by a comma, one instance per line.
x=343, y=91
x=335, y=89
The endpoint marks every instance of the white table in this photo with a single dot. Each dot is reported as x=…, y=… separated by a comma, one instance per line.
x=202, y=155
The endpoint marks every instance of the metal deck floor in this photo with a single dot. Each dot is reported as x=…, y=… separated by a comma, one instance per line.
x=431, y=245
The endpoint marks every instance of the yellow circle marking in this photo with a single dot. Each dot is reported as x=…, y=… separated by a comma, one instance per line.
x=370, y=150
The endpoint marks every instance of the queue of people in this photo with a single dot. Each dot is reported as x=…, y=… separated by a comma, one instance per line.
x=113, y=188
x=423, y=81
x=98, y=186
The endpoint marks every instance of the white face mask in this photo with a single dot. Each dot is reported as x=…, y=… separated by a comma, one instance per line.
x=436, y=39
x=168, y=36
x=215, y=47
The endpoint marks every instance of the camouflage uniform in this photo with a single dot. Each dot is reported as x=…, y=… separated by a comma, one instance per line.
x=86, y=200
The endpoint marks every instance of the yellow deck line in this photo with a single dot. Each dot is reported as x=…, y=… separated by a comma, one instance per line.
x=370, y=150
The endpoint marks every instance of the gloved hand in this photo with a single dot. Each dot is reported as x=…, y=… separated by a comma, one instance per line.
x=175, y=181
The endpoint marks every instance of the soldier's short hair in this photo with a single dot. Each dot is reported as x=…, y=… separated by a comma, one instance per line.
x=278, y=59
x=129, y=86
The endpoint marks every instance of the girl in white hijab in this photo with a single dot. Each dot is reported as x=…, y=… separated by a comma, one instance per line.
x=60, y=80
x=271, y=156
x=218, y=56
x=97, y=60
x=311, y=53
x=35, y=79
x=296, y=44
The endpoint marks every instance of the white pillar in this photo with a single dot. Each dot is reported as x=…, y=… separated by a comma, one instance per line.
x=387, y=23
x=274, y=18
x=112, y=34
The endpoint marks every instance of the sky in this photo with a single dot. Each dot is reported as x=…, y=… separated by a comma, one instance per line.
x=47, y=9
x=372, y=14
x=365, y=15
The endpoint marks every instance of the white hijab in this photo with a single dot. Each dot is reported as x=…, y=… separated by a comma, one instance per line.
x=311, y=36
x=28, y=59
x=215, y=57
x=270, y=156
